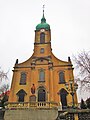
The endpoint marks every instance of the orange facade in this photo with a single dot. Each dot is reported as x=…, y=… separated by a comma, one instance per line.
x=43, y=76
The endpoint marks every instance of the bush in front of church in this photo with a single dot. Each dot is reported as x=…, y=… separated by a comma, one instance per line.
x=88, y=103
x=83, y=105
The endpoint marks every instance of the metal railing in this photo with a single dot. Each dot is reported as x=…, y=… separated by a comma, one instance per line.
x=13, y=105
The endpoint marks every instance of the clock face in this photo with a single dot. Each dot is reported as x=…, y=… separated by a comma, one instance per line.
x=42, y=30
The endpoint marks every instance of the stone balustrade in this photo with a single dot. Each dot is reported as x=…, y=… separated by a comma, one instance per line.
x=13, y=105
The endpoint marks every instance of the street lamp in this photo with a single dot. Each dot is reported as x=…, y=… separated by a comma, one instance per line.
x=72, y=87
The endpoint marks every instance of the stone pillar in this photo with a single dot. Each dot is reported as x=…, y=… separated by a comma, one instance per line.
x=76, y=116
x=51, y=84
x=33, y=71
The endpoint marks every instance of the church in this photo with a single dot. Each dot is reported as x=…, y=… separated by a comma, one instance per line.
x=43, y=78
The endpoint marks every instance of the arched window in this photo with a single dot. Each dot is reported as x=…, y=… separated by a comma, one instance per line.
x=41, y=75
x=41, y=94
x=42, y=38
x=23, y=78
x=61, y=77
x=63, y=97
x=21, y=94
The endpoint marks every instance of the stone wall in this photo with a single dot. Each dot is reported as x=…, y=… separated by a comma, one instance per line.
x=31, y=114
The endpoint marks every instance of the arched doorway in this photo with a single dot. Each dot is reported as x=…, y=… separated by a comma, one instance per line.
x=63, y=97
x=21, y=94
x=41, y=95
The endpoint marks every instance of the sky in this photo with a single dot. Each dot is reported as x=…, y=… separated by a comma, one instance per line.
x=69, y=21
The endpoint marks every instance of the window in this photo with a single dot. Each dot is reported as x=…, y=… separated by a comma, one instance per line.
x=61, y=77
x=42, y=38
x=41, y=75
x=41, y=95
x=63, y=97
x=23, y=78
x=42, y=50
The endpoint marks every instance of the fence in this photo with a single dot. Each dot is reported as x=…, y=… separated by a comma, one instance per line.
x=74, y=114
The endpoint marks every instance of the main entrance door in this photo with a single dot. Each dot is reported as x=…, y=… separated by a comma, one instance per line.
x=41, y=95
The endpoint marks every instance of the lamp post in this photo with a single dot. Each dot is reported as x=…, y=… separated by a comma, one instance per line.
x=72, y=87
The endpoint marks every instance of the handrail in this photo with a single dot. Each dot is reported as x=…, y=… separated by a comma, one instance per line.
x=12, y=105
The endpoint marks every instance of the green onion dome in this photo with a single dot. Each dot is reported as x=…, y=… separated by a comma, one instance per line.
x=43, y=24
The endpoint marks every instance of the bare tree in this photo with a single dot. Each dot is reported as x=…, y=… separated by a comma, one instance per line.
x=4, y=83
x=4, y=88
x=3, y=75
x=82, y=61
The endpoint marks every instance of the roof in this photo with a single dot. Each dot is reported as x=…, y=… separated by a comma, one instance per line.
x=43, y=24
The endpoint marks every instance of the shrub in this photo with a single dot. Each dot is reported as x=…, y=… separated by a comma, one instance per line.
x=82, y=104
x=88, y=103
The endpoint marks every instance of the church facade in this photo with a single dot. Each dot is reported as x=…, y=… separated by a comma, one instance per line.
x=42, y=77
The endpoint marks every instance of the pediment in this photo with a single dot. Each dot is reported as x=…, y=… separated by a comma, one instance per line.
x=41, y=60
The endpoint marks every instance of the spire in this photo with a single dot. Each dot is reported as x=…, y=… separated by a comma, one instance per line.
x=43, y=20
x=43, y=10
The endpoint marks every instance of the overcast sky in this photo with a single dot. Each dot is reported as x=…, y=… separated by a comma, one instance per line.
x=69, y=21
